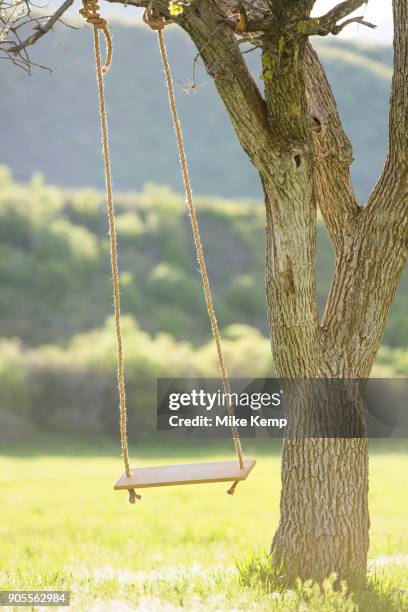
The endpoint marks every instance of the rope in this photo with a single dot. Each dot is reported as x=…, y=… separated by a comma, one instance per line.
x=197, y=239
x=90, y=11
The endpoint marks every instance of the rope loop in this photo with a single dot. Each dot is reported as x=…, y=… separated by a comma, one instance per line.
x=90, y=12
x=154, y=19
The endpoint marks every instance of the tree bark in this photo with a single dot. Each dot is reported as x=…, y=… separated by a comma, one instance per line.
x=324, y=520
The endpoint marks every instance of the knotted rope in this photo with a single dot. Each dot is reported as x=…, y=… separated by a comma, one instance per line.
x=157, y=22
x=153, y=18
x=90, y=11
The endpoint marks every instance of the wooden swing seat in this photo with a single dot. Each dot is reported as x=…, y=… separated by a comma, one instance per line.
x=184, y=474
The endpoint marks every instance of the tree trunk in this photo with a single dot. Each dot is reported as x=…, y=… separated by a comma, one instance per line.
x=324, y=518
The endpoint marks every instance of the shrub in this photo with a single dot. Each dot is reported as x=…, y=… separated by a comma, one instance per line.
x=73, y=389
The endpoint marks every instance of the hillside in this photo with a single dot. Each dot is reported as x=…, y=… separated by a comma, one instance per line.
x=58, y=132
x=55, y=276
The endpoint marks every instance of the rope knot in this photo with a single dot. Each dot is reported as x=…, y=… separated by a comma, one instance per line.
x=90, y=12
x=154, y=19
x=133, y=496
x=232, y=488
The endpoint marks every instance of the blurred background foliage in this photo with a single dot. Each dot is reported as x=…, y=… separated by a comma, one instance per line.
x=57, y=355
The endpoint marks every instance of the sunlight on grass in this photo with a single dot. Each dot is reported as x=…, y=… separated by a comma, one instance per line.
x=62, y=526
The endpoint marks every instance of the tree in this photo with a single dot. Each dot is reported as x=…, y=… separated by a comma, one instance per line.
x=293, y=135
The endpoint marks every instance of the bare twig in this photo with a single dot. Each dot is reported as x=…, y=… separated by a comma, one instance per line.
x=360, y=20
x=200, y=51
x=42, y=29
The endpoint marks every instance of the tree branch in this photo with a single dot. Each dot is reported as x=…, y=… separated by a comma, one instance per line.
x=398, y=137
x=389, y=199
x=342, y=10
x=322, y=27
x=363, y=288
x=360, y=20
x=40, y=30
x=329, y=23
x=236, y=87
x=259, y=17
x=333, y=154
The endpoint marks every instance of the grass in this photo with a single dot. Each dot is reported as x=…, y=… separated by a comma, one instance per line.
x=62, y=526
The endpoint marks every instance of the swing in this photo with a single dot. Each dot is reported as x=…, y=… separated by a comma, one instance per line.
x=168, y=475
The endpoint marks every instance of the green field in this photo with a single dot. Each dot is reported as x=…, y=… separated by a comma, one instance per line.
x=62, y=526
